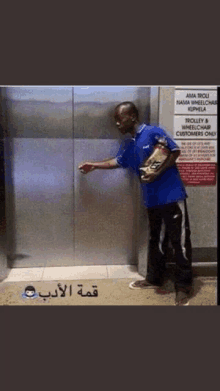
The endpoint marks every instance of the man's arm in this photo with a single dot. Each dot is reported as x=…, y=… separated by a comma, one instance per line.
x=168, y=163
x=105, y=164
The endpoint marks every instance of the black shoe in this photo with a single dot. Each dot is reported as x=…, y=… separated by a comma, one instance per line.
x=142, y=284
x=182, y=299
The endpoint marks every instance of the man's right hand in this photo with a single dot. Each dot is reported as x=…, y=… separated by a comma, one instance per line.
x=86, y=167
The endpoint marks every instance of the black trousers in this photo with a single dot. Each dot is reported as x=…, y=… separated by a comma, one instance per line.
x=170, y=222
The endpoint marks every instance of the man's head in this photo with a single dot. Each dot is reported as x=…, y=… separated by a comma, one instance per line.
x=126, y=117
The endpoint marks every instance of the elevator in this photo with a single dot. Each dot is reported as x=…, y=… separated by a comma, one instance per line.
x=55, y=216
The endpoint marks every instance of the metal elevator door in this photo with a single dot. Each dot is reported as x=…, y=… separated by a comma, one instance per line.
x=55, y=215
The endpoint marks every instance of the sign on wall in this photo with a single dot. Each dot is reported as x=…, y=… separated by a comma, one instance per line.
x=193, y=127
x=195, y=130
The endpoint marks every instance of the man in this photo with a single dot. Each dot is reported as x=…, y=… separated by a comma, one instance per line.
x=164, y=195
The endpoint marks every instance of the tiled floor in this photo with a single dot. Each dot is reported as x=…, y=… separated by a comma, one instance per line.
x=72, y=273
x=77, y=272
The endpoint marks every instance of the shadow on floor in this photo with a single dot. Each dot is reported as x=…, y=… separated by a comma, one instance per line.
x=169, y=285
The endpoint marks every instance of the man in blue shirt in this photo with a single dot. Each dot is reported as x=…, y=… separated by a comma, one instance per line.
x=163, y=194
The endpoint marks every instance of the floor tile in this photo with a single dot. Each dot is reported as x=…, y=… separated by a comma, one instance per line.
x=123, y=271
x=25, y=274
x=74, y=273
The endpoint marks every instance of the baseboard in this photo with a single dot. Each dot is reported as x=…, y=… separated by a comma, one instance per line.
x=204, y=262
x=200, y=255
x=204, y=254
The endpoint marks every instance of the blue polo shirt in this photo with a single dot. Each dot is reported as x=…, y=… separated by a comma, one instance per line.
x=168, y=186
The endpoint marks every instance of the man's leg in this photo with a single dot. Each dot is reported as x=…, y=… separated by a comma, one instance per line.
x=158, y=243
x=177, y=222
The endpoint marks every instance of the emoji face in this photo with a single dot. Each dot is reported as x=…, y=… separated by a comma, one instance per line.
x=29, y=291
